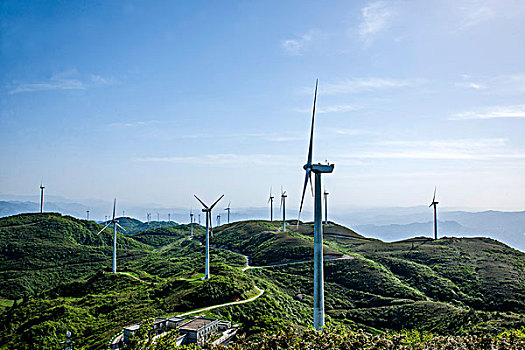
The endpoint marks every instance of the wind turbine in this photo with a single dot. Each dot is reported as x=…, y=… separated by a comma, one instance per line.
x=199, y=219
x=191, y=223
x=325, y=206
x=434, y=203
x=207, y=210
x=87, y=214
x=317, y=169
x=114, y=221
x=283, y=207
x=270, y=200
x=228, y=209
x=169, y=218
x=219, y=220
x=41, y=198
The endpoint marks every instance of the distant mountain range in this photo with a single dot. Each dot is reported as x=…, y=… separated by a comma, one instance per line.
x=388, y=224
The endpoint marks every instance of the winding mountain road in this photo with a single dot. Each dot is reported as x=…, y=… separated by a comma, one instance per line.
x=261, y=292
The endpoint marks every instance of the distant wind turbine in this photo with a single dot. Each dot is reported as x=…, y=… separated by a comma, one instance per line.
x=219, y=220
x=434, y=203
x=228, y=209
x=114, y=221
x=87, y=214
x=317, y=169
x=270, y=200
x=41, y=198
x=325, y=206
x=283, y=207
x=207, y=210
x=169, y=217
x=191, y=223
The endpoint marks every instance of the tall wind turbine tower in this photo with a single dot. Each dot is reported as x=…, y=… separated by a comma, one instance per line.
x=207, y=210
x=199, y=219
x=114, y=221
x=283, y=207
x=87, y=214
x=270, y=200
x=434, y=204
x=41, y=198
x=228, y=209
x=191, y=223
x=325, y=206
x=219, y=220
x=317, y=169
x=169, y=217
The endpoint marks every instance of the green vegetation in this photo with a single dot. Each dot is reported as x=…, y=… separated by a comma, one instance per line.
x=55, y=277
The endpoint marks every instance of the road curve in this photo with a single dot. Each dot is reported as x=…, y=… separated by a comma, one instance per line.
x=261, y=292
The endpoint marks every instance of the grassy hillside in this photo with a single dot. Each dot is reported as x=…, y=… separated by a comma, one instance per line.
x=134, y=226
x=39, y=250
x=449, y=286
x=96, y=308
x=264, y=243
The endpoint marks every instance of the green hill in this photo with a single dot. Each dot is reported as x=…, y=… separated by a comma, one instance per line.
x=39, y=250
x=53, y=266
x=134, y=226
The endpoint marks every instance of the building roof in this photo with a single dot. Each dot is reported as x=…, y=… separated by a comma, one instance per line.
x=197, y=324
x=176, y=319
x=133, y=327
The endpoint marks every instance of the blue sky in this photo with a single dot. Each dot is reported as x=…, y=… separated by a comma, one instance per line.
x=152, y=101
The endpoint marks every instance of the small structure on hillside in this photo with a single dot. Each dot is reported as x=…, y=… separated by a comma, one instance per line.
x=192, y=330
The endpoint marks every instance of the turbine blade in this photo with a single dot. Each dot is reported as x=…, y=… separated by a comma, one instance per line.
x=114, y=207
x=217, y=201
x=309, y=162
x=103, y=228
x=304, y=191
x=122, y=228
x=204, y=205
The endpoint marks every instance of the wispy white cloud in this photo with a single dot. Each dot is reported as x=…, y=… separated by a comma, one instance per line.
x=363, y=84
x=374, y=17
x=222, y=159
x=330, y=109
x=470, y=85
x=62, y=84
x=296, y=45
x=66, y=80
x=474, y=13
x=514, y=111
x=462, y=149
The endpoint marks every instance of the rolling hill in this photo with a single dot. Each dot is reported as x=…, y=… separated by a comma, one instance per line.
x=54, y=277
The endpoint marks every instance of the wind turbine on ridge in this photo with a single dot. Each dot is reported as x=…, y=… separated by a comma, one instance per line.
x=434, y=203
x=228, y=209
x=317, y=169
x=325, y=206
x=114, y=221
x=41, y=197
x=270, y=200
x=283, y=207
x=191, y=223
x=208, y=210
x=219, y=220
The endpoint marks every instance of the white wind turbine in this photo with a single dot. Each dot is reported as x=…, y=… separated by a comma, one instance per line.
x=209, y=218
x=114, y=221
x=317, y=169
